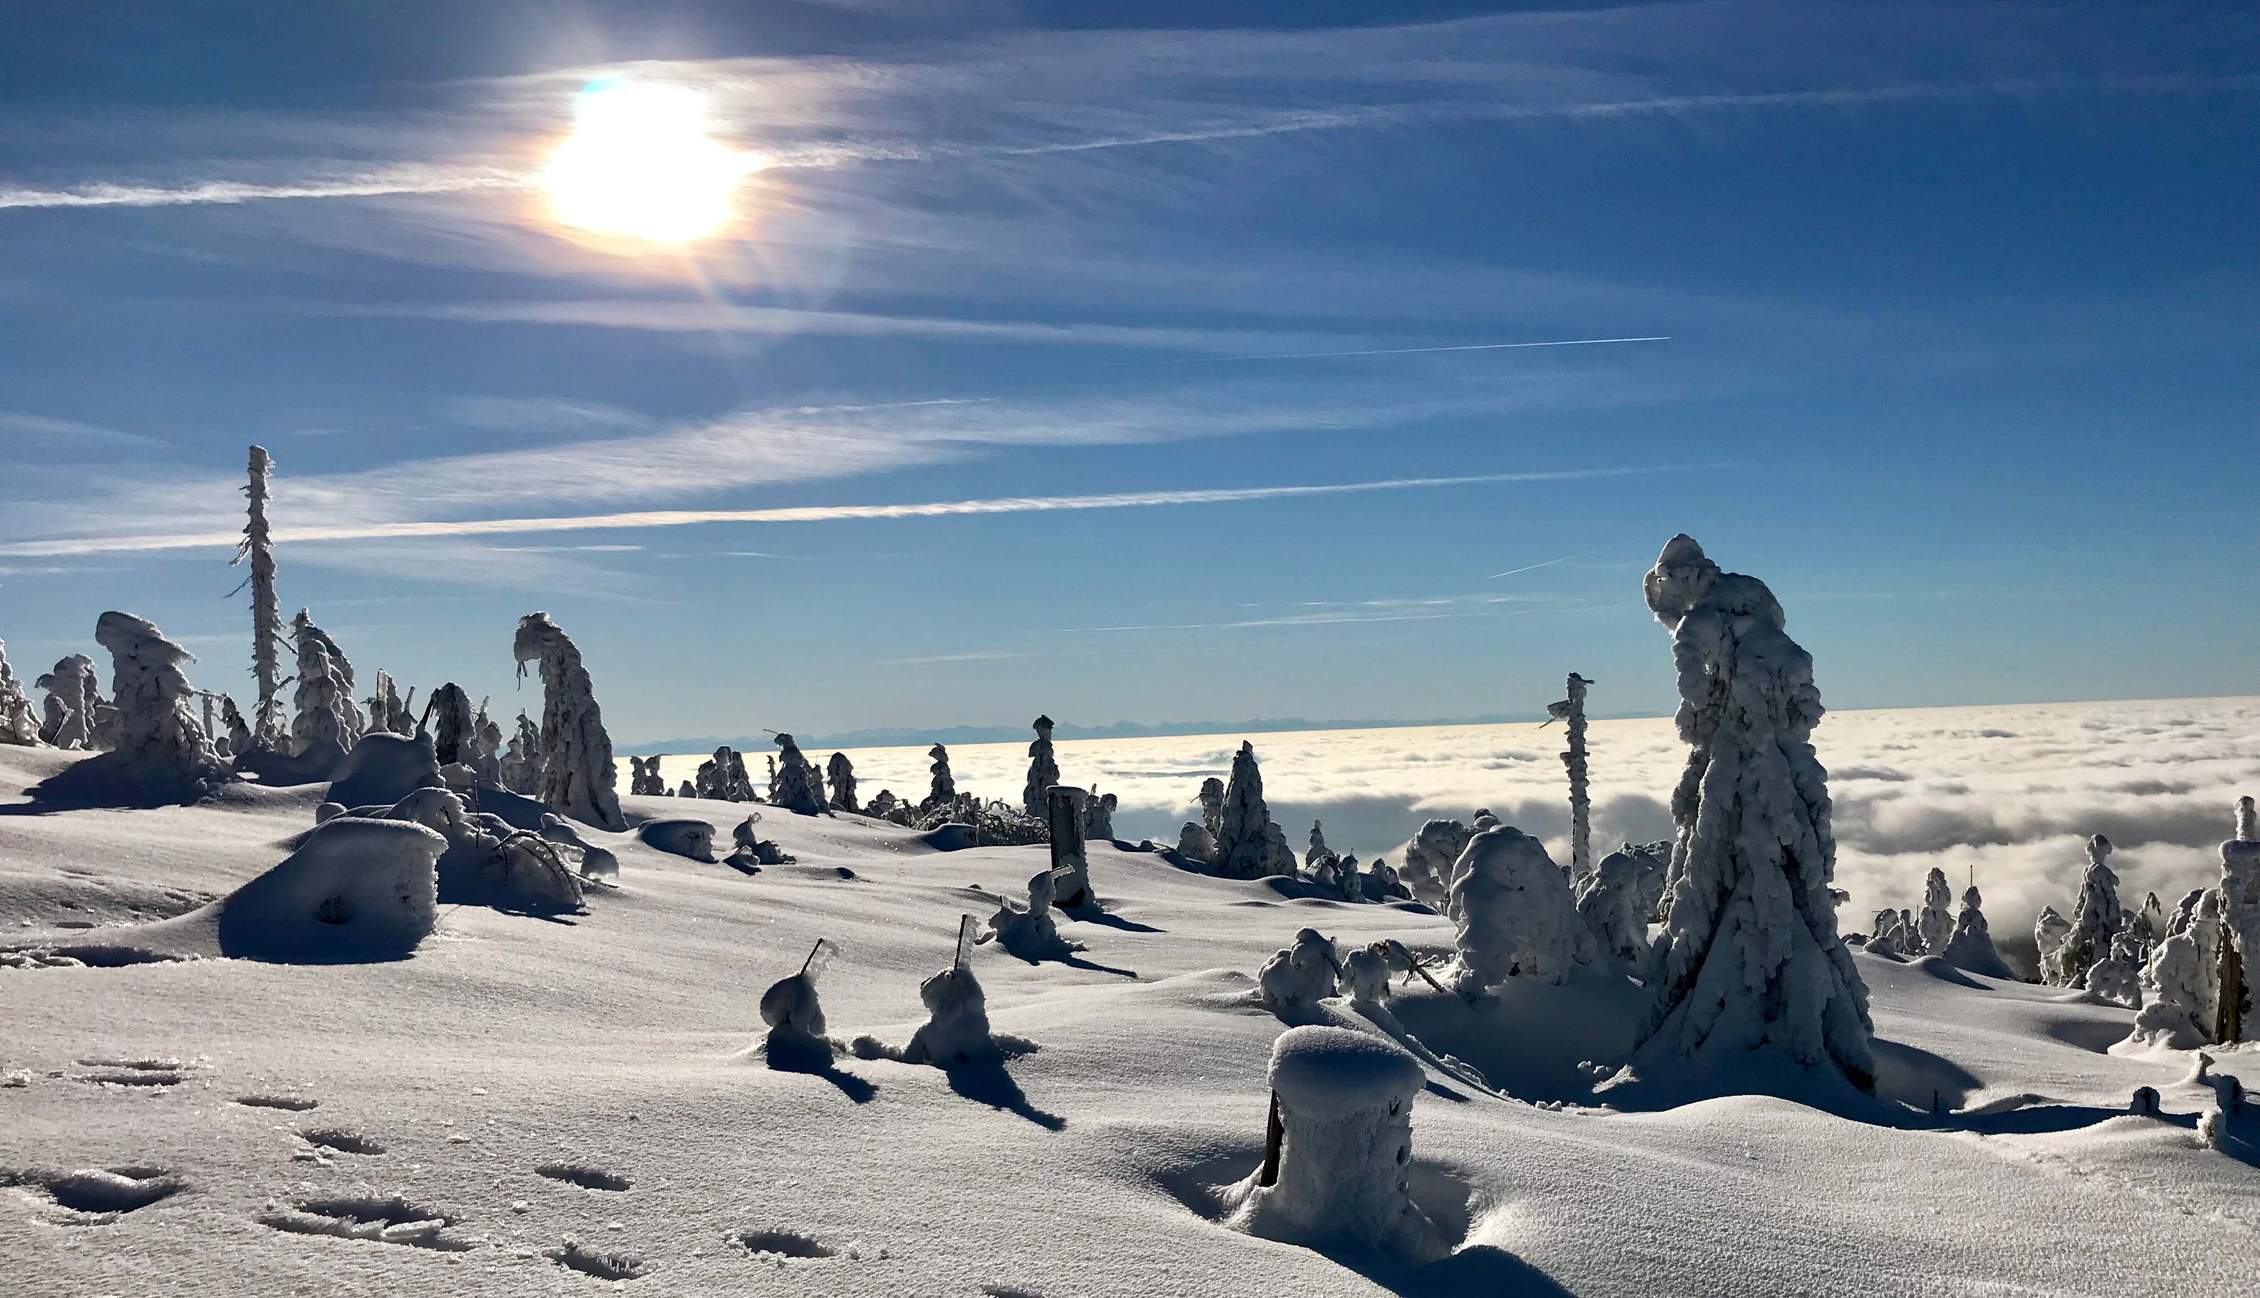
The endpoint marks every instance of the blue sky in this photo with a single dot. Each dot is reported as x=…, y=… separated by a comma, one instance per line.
x=1955, y=307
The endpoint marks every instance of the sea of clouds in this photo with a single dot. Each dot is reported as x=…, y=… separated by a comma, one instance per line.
x=2007, y=794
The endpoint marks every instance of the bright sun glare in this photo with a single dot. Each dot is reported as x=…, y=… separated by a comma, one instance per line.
x=639, y=165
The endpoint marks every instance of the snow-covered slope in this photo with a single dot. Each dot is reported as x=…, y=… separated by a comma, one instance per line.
x=447, y=1122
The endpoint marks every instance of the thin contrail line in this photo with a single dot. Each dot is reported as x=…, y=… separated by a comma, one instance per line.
x=1412, y=351
x=1544, y=563
x=801, y=513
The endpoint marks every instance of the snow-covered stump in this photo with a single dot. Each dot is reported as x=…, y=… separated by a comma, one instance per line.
x=577, y=776
x=18, y=723
x=72, y=700
x=258, y=547
x=1071, y=863
x=1515, y=916
x=1043, y=771
x=1338, y=1158
x=841, y=772
x=1750, y=957
x=1580, y=796
x=797, y=787
x=1970, y=946
x=2097, y=916
x=798, y=1038
x=160, y=744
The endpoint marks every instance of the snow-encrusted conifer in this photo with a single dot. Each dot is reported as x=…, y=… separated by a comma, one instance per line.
x=842, y=772
x=486, y=746
x=159, y=738
x=1098, y=817
x=2096, y=917
x=2050, y=930
x=577, y=776
x=1299, y=975
x=2179, y=987
x=1429, y=858
x=1249, y=846
x=1970, y=946
x=737, y=785
x=448, y=716
x=522, y=761
x=797, y=788
x=1043, y=771
x=240, y=738
x=1935, y=926
x=1318, y=851
x=943, y=792
x=72, y=700
x=18, y=724
x=258, y=547
x=1750, y=955
x=2117, y=977
x=1195, y=843
x=1212, y=806
x=326, y=722
x=2240, y=908
x=1516, y=919
x=1609, y=904
x=1890, y=937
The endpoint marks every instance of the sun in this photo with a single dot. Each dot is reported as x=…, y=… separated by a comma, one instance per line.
x=640, y=165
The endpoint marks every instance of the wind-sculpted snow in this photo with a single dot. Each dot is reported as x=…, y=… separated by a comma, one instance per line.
x=2008, y=793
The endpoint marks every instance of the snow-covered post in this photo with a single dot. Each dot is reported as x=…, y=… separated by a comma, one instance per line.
x=1935, y=926
x=796, y=788
x=2096, y=918
x=324, y=729
x=258, y=546
x=158, y=737
x=842, y=773
x=1336, y=1174
x=1071, y=866
x=1580, y=799
x=1750, y=955
x=71, y=702
x=18, y=724
x=943, y=792
x=1515, y=914
x=1043, y=772
x=577, y=776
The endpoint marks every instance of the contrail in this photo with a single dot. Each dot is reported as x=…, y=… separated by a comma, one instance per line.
x=412, y=180
x=798, y=513
x=1544, y=563
x=1413, y=351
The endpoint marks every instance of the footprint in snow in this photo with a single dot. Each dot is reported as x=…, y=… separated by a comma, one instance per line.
x=584, y=1176
x=100, y=1195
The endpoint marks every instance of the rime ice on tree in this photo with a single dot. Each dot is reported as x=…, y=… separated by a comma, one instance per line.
x=327, y=723
x=1515, y=916
x=1300, y=975
x=1750, y=956
x=1935, y=926
x=258, y=546
x=18, y=724
x=1249, y=846
x=159, y=740
x=797, y=788
x=447, y=715
x=486, y=746
x=842, y=773
x=1043, y=772
x=2050, y=930
x=72, y=701
x=522, y=760
x=2240, y=904
x=2181, y=984
x=577, y=775
x=2117, y=977
x=1609, y=904
x=1572, y=711
x=1212, y=806
x=1429, y=858
x=2096, y=918
x=944, y=790
x=1970, y=946
x=1098, y=816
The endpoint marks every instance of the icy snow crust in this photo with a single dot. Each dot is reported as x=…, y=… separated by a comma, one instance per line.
x=626, y=1044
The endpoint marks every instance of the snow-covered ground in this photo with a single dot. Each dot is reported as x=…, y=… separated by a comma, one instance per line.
x=543, y=1105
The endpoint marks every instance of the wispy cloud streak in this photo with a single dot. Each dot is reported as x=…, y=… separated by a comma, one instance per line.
x=1543, y=563
x=1415, y=351
x=411, y=180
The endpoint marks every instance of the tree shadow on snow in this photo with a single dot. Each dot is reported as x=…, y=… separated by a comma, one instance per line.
x=102, y=782
x=985, y=1081
x=1916, y=1077
x=1093, y=915
x=1475, y=1269
x=817, y=1063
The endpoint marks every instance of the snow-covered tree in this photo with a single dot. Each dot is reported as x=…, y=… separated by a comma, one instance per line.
x=1043, y=771
x=1212, y=806
x=1379, y=882
x=1970, y=946
x=2146, y=924
x=486, y=746
x=577, y=775
x=326, y=723
x=72, y=699
x=159, y=738
x=2096, y=917
x=798, y=788
x=239, y=736
x=2240, y=907
x=842, y=772
x=797, y=1035
x=1098, y=816
x=450, y=721
x=1515, y=916
x=1249, y=846
x=258, y=547
x=1300, y=975
x=1031, y=933
x=2180, y=985
x=1580, y=800
x=1750, y=955
x=1318, y=851
x=943, y=792
x=522, y=760
x=737, y=786
x=18, y=723
x=1609, y=904
x=2050, y=930
x=2117, y=977
x=1890, y=936
x=1195, y=843
x=1934, y=927
x=1429, y=858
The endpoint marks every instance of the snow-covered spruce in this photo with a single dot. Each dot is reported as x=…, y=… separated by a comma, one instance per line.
x=1300, y=975
x=2117, y=977
x=798, y=788
x=841, y=772
x=1249, y=845
x=239, y=736
x=1211, y=800
x=522, y=760
x=2096, y=917
x=1318, y=851
x=1609, y=905
x=1935, y=925
x=2240, y=906
x=1515, y=916
x=72, y=698
x=388, y=712
x=1580, y=798
x=1429, y=857
x=2181, y=985
x=1043, y=770
x=1365, y=978
x=1970, y=946
x=1336, y=1171
x=1749, y=958
x=258, y=548
x=737, y=785
x=1196, y=843
x=1380, y=883
x=160, y=743
x=486, y=746
x=577, y=775
x=324, y=723
x=1098, y=816
x=2049, y=931
x=18, y=723
x=1889, y=937
x=943, y=791
x=449, y=719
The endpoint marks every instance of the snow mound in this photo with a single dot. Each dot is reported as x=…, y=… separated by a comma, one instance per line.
x=691, y=838
x=355, y=890
x=382, y=769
